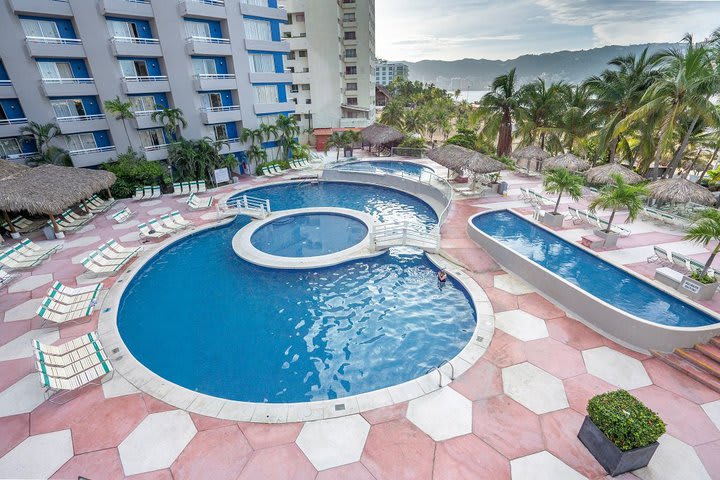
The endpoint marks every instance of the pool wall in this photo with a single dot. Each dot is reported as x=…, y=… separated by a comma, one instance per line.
x=617, y=324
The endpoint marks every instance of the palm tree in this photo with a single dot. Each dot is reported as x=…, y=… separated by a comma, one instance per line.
x=183, y=157
x=288, y=129
x=413, y=121
x=254, y=136
x=256, y=155
x=620, y=195
x=335, y=140
x=704, y=230
x=52, y=156
x=172, y=120
x=41, y=133
x=539, y=103
x=501, y=103
x=122, y=111
x=561, y=180
x=393, y=114
x=350, y=138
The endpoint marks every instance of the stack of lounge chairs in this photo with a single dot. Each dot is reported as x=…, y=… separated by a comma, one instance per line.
x=299, y=163
x=26, y=254
x=6, y=278
x=585, y=216
x=664, y=217
x=109, y=258
x=147, y=193
x=166, y=226
x=70, y=366
x=272, y=170
x=197, y=203
x=123, y=215
x=68, y=305
x=185, y=188
x=97, y=205
x=667, y=258
x=69, y=221
x=20, y=224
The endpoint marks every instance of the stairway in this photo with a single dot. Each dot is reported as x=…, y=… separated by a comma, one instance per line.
x=701, y=362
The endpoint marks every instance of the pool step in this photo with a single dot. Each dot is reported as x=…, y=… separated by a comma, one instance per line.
x=715, y=341
x=690, y=368
x=709, y=350
x=700, y=360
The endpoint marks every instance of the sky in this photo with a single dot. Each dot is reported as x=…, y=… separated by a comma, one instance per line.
x=415, y=30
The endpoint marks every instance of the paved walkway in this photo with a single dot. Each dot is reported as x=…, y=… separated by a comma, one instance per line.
x=514, y=414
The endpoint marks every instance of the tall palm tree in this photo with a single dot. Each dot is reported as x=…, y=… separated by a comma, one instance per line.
x=539, y=104
x=620, y=195
x=253, y=135
x=256, y=155
x=501, y=103
x=350, y=138
x=122, y=111
x=42, y=134
x=335, y=140
x=288, y=129
x=561, y=180
x=704, y=230
x=172, y=120
x=393, y=114
x=413, y=121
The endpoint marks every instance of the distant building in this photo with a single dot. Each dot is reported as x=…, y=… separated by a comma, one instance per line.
x=386, y=72
x=382, y=96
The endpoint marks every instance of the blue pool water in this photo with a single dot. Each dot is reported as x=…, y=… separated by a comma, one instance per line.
x=201, y=317
x=392, y=166
x=597, y=277
x=309, y=235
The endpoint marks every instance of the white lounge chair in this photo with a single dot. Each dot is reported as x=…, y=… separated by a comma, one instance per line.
x=69, y=351
x=155, y=193
x=660, y=255
x=13, y=260
x=202, y=187
x=66, y=299
x=30, y=245
x=74, y=291
x=58, y=313
x=180, y=220
x=158, y=227
x=6, y=278
x=112, y=256
x=123, y=215
x=55, y=388
x=197, y=203
x=97, y=269
x=121, y=249
x=146, y=232
x=168, y=222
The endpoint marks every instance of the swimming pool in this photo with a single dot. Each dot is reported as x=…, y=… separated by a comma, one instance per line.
x=592, y=274
x=201, y=317
x=309, y=235
x=392, y=166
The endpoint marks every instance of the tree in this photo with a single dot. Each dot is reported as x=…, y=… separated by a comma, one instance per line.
x=41, y=133
x=288, y=129
x=350, y=138
x=706, y=229
x=561, y=180
x=252, y=135
x=501, y=103
x=393, y=114
x=256, y=155
x=172, y=120
x=51, y=156
x=122, y=111
x=620, y=195
x=539, y=104
x=335, y=140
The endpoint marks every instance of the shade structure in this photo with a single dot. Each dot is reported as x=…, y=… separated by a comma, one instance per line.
x=603, y=174
x=679, y=190
x=8, y=168
x=379, y=134
x=530, y=155
x=50, y=189
x=567, y=161
x=459, y=158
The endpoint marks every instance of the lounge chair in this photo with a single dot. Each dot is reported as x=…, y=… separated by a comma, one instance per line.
x=139, y=193
x=58, y=313
x=15, y=261
x=146, y=232
x=180, y=220
x=19, y=223
x=197, y=203
x=112, y=256
x=72, y=368
x=156, y=193
x=121, y=249
x=158, y=227
x=29, y=244
x=55, y=387
x=123, y=215
x=690, y=264
x=98, y=269
x=62, y=294
x=68, y=351
x=75, y=291
x=168, y=222
x=660, y=255
x=6, y=278
x=99, y=204
x=177, y=188
x=524, y=194
x=202, y=187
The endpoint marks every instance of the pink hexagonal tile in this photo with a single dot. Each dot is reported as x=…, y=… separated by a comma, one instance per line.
x=13, y=370
x=540, y=307
x=555, y=358
x=203, y=423
x=671, y=379
x=261, y=435
x=15, y=429
x=505, y=350
x=96, y=465
x=154, y=405
x=501, y=301
x=163, y=474
x=398, y=450
x=470, y=458
x=507, y=426
x=285, y=462
x=579, y=390
x=574, y=333
x=219, y=454
x=709, y=454
x=482, y=380
x=560, y=431
x=352, y=471
x=386, y=414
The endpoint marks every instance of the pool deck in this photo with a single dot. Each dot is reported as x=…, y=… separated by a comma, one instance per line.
x=514, y=414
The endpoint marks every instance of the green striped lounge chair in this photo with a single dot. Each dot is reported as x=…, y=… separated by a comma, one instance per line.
x=177, y=188
x=58, y=313
x=37, y=248
x=122, y=215
x=121, y=249
x=112, y=256
x=21, y=252
x=6, y=278
x=180, y=220
x=97, y=269
x=13, y=260
x=168, y=222
x=139, y=193
x=73, y=368
x=197, y=203
x=158, y=227
x=100, y=259
x=74, y=291
x=146, y=232
x=70, y=299
x=56, y=388
x=155, y=192
x=67, y=352
x=202, y=187
x=193, y=186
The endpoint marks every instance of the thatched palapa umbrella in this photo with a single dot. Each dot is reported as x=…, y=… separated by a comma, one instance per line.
x=8, y=168
x=680, y=190
x=50, y=190
x=458, y=158
x=532, y=153
x=603, y=174
x=567, y=161
x=378, y=134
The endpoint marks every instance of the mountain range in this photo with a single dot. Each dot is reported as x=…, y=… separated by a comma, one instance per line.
x=478, y=74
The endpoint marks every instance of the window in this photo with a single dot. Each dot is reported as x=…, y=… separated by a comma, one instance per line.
x=305, y=86
x=294, y=89
x=262, y=63
x=351, y=70
x=55, y=70
x=257, y=29
x=204, y=66
x=211, y=100
x=349, y=17
x=298, y=118
x=40, y=28
x=145, y=103
x=266, y=94
x=259, y=3
x=268, y=119
x=302, y=53
x=134, y=68
x=308, y=101
x=123, y=29
x=351, y=87
x=300, y=17
x=350, y=53
x=197, y=29
x=80, y=141
x=350, y=36
x=68, y=108
x=9, y=147
x=352, y=101
x=152, y=137
x=291, y=56
x=220, y=132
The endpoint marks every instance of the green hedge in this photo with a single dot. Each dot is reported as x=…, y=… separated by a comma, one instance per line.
x=625, y=420
x=135, y=173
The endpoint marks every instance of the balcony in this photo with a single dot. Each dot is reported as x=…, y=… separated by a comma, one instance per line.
x=205, y=82
x=263, y=12
x=297, y=43
x=208, y=46
x=267, y=46
x=46, y=7
x=203, y=8
x=49, y=47
x=301, y=78
x=233, y=145
x=92, y=156
x=156, y=152
x=139, y=85
x=66, y=87
x=271, y=77
x=81, y=123
x=266, y=108
x=354, y=122
x=349, y=42
x=7, y=90
x=127, y=8
x=212, y=115
x=10, y=127
x=143, y=119
x=135, y=47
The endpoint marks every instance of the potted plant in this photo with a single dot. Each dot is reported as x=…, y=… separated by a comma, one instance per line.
x=559, y=181
x=702, y=285
x=615, y=196
x=620, y=432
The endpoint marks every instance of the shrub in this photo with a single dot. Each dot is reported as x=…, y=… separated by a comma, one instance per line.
x=284, y=164
x=412, y=142
x=133, y=171
x=508, y=161
x=625, y=420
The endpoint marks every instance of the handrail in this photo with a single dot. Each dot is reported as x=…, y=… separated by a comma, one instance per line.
x=136, y=40
x=246, y=202
x=63, y=81
x=153, y=78
x=5, y=83
x=53, y=40
x=13, y=121
x=92, y=150
x=145, y=113
x=80, y=118
x=215, y=76
x=228, y=108
x=206, y=2
x=152, y=148
x=195, y=38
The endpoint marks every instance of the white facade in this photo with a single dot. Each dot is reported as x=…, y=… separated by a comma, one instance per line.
x=386, y=72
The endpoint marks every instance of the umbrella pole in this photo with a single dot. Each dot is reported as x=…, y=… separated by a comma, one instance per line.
x=11, y=227
x=110, y=197
x=56, y=228
x=85, y=207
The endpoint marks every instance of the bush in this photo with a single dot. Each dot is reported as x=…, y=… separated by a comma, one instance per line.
x=705, y=279
x=412, y=142
x=284, y=164
x=508, y=161
x=132, y=171
x=625, y=420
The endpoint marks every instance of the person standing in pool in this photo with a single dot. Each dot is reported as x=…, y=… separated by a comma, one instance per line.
x=442, y=276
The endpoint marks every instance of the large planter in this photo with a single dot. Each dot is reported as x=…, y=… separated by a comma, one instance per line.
x=554, y=220
x=697, y=290
x=610, y=238
x=613, y=460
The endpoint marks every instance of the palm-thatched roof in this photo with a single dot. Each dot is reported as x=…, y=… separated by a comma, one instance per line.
x=603, y=174
x=529, y=153
x=8, y=168
x=49, y=189
x=458, y=158
x=680, y=190
x=379, y=134
x=567, y=161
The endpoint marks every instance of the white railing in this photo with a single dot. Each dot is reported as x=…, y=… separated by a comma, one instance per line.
x=392, y=234
x=19, y=156
x=13, y=121
x=257, y=3
x=154, y=78
x=215, y=76
x=222, y=41
x=54, y=40
x=259, y=206
x=218, y=3
x=80, y=118
x=138, y=1
x=86, y=151
x=136, y=40
x=153, y=148
x=67, y=81
x=5, y=83
x=145, y=113
x=228, y=108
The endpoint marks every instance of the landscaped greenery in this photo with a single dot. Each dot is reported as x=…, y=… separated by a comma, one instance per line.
x=625, y=420
x=341, y=141
x=133, y=170
x=704, y=230
x=561, y=180
x=620, y=195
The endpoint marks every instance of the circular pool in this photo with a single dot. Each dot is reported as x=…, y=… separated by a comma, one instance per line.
x=309, y=235
x=390, y=166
